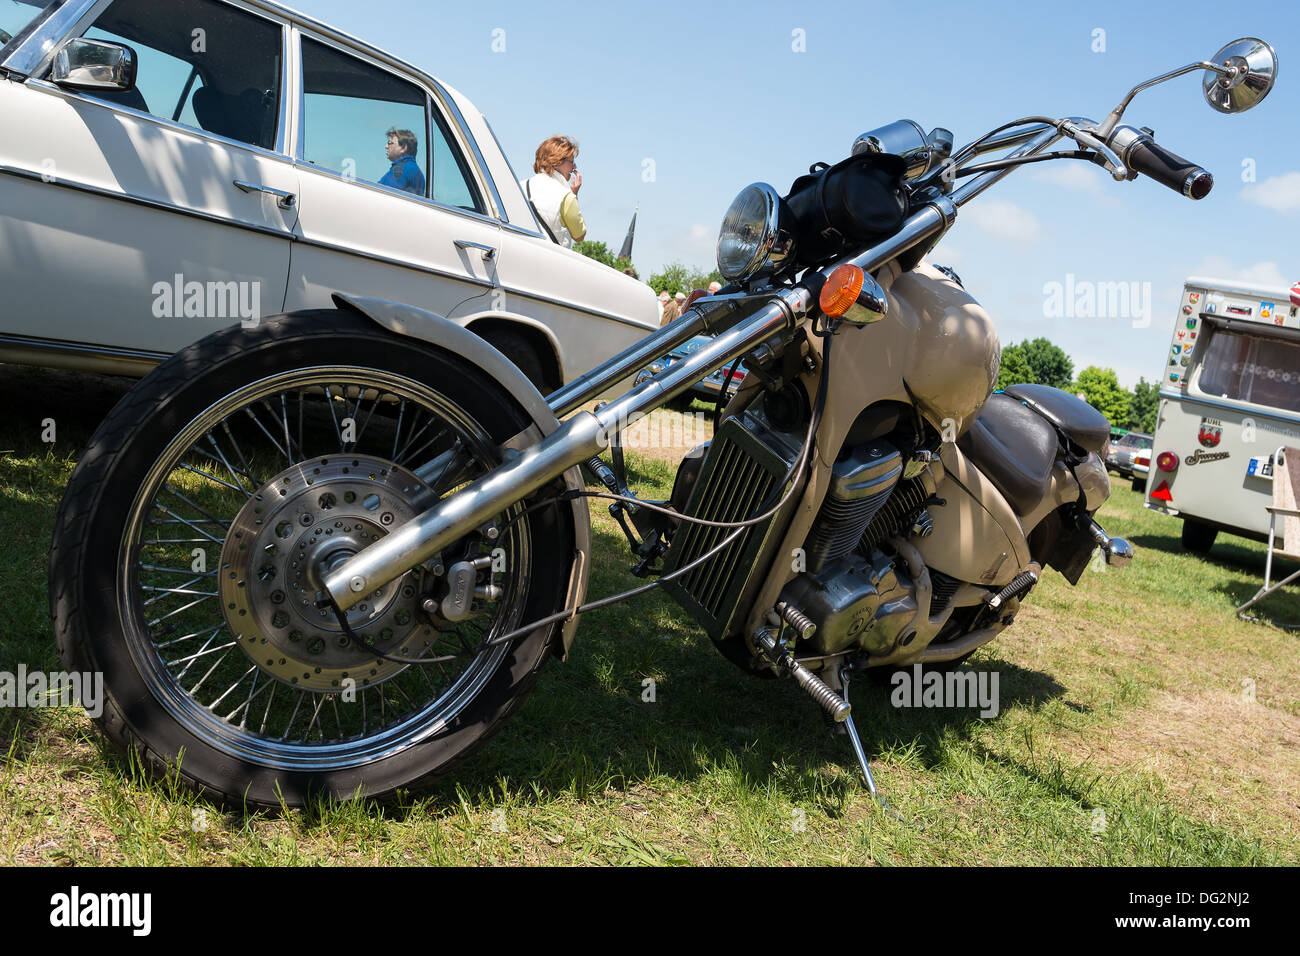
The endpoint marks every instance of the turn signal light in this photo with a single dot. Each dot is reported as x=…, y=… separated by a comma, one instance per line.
x=691, y=299
x=1167, y=461
x=840, y=293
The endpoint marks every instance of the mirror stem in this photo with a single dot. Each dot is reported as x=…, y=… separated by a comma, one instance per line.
x=1108, y=125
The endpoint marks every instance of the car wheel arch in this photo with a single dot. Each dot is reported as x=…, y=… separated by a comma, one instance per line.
x=539, y=338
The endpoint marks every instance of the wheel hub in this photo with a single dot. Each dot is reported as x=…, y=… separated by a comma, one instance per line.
x=286, y=539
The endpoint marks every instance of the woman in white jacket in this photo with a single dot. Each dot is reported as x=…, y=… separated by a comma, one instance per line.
x=554, y=190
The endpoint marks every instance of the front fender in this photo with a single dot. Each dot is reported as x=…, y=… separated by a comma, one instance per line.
x=429, y=327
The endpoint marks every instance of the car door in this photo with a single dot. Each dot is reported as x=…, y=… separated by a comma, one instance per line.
x=143, y=220
x=369, y=223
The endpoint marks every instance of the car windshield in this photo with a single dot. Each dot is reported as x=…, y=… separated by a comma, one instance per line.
x=16, y=14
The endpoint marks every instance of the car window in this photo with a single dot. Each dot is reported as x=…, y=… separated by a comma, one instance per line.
x=363, y=122
x=366, y=123
x=16, y=14
x=201, y=63
x=1251, y=368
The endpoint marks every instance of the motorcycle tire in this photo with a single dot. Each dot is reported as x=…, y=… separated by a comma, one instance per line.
x=108, y=576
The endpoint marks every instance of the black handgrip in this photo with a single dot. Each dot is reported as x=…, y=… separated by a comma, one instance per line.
x=1149, y=158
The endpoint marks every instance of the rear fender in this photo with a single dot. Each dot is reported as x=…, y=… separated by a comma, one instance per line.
x=429, y=327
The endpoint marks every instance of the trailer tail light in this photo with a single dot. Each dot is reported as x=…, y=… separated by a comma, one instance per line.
x=1162, y=493
x=1167, y=461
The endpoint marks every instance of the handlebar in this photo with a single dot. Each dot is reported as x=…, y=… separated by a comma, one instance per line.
x=1142, y=154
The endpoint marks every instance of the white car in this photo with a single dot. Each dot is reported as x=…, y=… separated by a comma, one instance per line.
x=169, y=168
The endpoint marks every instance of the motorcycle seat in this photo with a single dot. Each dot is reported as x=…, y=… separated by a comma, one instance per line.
x=1077, y=420
x=1015, y=447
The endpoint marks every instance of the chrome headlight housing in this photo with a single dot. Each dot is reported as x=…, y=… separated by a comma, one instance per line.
x=751, y=242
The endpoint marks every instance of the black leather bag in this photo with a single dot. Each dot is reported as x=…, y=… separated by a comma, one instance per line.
x=858, y=201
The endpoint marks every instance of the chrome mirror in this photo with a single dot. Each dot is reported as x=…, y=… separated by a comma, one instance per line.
x=83, y=64
x=1254, y=66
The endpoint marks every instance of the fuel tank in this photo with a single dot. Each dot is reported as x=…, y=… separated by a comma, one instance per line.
x=947, y=344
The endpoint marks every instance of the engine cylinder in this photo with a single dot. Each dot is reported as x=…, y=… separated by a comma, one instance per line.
x=861, y=482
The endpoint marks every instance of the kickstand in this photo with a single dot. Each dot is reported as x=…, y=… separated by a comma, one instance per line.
x=857, y=744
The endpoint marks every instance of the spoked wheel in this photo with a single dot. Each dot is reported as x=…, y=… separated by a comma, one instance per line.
x=196, y=532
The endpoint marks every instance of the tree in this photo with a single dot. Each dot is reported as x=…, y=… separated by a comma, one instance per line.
x=1050, y=363
x=1142, y=408
x=1015, y=368
x=1101, y=390
x=600, y=252
x=677, y=277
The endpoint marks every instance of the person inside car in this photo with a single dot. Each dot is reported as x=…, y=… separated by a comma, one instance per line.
x=405, y=173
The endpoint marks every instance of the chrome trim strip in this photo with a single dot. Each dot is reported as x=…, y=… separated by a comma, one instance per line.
x=536, y=230
x=1244, y=408
x=414, y=266
x=147, y=202
x=304, y=166
x=540, y=297
x=485, y=173
x=126, y=358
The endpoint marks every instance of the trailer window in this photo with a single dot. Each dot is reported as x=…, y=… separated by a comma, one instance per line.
x=1250, y=368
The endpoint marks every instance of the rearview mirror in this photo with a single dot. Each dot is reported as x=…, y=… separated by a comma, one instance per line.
x=1256, y=72
x=83, y=64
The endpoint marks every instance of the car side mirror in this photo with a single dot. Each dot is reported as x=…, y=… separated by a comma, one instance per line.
x=83, y=64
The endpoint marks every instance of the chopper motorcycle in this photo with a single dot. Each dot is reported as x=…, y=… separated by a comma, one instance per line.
x=329, y=555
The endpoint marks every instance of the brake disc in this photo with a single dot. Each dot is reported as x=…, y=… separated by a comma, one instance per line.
x=283, y=543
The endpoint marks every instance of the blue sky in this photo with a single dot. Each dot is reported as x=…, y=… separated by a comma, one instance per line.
x=718, y=95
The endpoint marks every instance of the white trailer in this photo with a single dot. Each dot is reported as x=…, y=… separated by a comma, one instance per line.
x=1229, y=400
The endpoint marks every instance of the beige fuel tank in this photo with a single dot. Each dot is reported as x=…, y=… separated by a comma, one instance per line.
x=953, y=351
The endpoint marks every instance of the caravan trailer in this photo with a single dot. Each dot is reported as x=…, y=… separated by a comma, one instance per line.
x=1229, y=401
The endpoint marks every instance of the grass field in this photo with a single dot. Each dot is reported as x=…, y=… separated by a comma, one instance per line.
x=1141, y=723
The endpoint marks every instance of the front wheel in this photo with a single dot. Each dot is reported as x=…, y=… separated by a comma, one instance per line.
x=196, y=530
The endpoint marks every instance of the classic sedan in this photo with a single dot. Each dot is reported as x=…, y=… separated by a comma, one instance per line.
x=167, y=169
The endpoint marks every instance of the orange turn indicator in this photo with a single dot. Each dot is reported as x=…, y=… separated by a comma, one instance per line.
x=840, y=293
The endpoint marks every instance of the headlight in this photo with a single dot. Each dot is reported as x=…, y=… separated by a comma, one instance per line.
x=751, y=241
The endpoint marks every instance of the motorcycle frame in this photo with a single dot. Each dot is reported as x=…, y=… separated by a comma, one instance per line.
x=586, y=433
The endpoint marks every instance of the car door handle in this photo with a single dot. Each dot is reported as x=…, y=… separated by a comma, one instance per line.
x=285, y=200
x=489, y=252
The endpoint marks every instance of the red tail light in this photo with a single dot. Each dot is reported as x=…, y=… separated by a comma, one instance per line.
x=1167, y=461
x=738, y=376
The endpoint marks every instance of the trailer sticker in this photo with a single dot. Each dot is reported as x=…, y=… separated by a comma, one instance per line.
x=1239, y=310
x=1194, y=298
x=1211, y=308
x=1191, y=323
x=1295, y=294
x=1173, y=377
x=1187, y=310
x=1211, y=430
x=1266, y=310
x=1198, y=456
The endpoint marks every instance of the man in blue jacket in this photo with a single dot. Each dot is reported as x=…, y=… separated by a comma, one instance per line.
x=405, y=174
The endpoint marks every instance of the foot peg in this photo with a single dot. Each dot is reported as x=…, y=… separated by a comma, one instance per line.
x=835, y=706
x=1118, y=552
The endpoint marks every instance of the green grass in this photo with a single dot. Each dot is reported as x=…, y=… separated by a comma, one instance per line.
x=1123, y=695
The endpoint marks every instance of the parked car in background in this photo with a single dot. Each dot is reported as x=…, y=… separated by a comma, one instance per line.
x=709, y=388
x=167, y=169
x=1141, y=468
x=1121, y=453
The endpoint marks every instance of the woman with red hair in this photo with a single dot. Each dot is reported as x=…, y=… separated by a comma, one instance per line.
x=554, y=190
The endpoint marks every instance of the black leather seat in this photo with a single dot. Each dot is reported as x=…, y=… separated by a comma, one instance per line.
x=1083, y=424
x=1015, y=447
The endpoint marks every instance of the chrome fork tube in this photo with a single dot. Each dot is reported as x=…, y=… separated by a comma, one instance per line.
x=577, y=439
x=631, y=360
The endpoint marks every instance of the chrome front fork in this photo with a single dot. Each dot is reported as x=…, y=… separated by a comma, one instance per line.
x=579, y=438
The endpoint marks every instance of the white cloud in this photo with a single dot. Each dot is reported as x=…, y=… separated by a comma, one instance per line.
x=1279, y=193
x=1003, y=220
x=1081, y=177
x=1261, y=273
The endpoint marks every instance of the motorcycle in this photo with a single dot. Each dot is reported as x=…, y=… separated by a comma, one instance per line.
x=329, y=555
